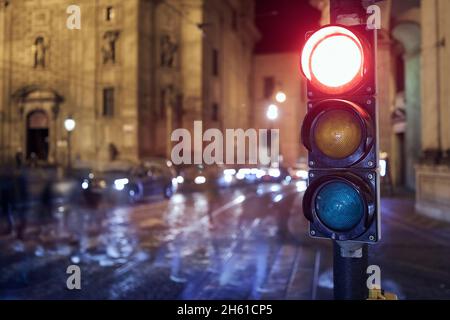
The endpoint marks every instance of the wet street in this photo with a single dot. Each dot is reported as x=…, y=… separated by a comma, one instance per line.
x=243, y=243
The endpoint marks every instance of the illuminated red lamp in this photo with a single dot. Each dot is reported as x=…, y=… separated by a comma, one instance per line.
x=333, y=60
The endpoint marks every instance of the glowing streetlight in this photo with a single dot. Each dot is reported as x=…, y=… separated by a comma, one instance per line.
x=69, y=125
x=280, y=97
x=272, y=112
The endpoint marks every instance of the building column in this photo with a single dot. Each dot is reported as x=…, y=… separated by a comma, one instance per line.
x=431, y=144
x=433, y=176
x=191, y=55
x=444, y=7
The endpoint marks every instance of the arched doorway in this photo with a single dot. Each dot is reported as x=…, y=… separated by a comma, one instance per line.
x=37, y=135
x=38, y=127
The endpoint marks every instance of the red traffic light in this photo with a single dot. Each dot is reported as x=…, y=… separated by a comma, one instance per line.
x=333, y=60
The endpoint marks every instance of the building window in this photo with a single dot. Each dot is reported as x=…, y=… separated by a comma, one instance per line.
x=215, y=112
x=109, y=13
x=269, y=87
x=108, y=102
x=215, y=62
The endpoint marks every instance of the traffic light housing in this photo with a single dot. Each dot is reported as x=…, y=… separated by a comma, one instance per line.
x=342, y=205
x=340, y=132
x=354, y=145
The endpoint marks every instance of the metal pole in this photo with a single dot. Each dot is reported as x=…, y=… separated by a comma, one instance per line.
x=350, y=260
x=349, y=271
x=69, y=151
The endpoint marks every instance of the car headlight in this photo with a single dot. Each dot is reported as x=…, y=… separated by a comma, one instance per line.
x=274, y=173
x=119, y=184
x=228, y=178
x=301, y=186
x=200, y=180
x=102, y=184
x=85, y=185
x=180, y=180
x=229, y=172
x=240, y=176
x=303, y=174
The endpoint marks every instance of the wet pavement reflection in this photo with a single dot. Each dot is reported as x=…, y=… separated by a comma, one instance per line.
x=242, y=243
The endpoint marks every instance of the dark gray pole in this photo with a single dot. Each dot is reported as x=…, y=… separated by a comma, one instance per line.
x=349, y=272
x=69, y=151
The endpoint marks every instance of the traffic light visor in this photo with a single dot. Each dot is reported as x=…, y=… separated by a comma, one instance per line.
x=333, y=59
x=339, y=206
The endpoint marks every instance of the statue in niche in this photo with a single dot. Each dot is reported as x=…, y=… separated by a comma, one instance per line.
x=109, y=46
x=169, y=50
x=40, y=51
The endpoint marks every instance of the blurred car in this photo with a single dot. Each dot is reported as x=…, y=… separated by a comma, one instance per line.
x=249, y=175
x=226, y=176
x=193, y=177
x=157, y=175
x=126, y=182
x=199, y=177
x=299, y=171
x=276, y=175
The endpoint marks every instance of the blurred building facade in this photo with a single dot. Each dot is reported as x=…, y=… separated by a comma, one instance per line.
x=274, y=73
x=414, y=97
x=137, y=70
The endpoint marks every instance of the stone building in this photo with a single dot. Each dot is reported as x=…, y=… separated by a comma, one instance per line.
x=413, y=86
x=136, y=70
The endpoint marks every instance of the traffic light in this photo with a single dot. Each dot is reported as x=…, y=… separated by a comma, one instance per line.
x=340, y=132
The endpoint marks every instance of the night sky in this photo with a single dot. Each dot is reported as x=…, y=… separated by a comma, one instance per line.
x=284, y=31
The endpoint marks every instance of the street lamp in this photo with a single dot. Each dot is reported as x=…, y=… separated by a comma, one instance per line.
x=69, y=125
x=272, y=112
x=280, y=97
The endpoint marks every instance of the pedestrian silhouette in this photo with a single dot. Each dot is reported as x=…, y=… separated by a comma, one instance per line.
x=6, y=195
x=46, y=206
x=19, y=199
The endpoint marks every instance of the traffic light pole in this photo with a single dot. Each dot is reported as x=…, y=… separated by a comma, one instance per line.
x=350, y=262
x=350, y=259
